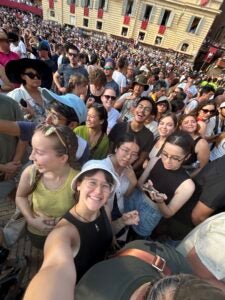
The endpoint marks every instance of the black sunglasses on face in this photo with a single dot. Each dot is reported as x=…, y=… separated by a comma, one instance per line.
x=110, y=97
x=32, y=75
x=208, y=111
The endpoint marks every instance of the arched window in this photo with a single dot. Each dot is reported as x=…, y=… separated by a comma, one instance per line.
x=184, y=47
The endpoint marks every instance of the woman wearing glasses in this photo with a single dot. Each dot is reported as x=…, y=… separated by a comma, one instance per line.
x=204, y=112
x=94, y=132
x=29, y=73
x=200, y=155
x=164, y=187
x=108, y=99
x=47, y=182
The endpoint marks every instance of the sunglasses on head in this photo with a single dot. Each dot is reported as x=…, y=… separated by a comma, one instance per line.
x=32, y=75
x=110, y=97
x=208, y=111
x=50, y=130
x=73, y=54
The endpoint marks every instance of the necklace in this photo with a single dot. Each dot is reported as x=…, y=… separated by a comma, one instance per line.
x=86, y=220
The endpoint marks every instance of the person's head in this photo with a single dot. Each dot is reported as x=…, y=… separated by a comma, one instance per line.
x=122, y=64
x=167, y=124
x=53, y=147
x=4, y=42
x=97, y=117
x=140, y=85
x=78, y=84
x=97, y=78
x=222, y=110
x=72, y=53
x=177, y=106
x=29, y=72
x=162, y=105
x=159, y=90
x=176, y=150
x=184, y=287
x=130, y=71
x=145, y=107
x=108, y=98
x=206, y=110
x=43, y=49
x=189, y=123
x=83, y=58
x=94, y=184
x=127, y=150
x=109, y=67
x=206, y=92
x=67, y=109
x=93, y=59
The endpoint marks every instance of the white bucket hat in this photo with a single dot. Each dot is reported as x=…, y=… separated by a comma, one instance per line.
x=93, y=165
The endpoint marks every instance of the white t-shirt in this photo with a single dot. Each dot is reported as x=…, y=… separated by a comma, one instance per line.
x=120, y=79
x=113, y=116
x=218, y=151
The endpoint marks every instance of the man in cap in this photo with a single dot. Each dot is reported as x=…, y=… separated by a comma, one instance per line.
x=108, y=70
x=67, y=110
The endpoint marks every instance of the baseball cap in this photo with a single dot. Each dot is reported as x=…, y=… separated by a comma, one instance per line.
x=162, y=99
x=93, y=165
x=70, y=100
x=210, y=245
x=222, y=105
x=43, y=46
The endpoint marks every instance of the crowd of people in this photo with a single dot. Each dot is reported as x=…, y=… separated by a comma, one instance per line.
x=115, y=154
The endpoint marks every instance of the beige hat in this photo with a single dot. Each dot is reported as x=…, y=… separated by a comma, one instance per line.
x=210, y=246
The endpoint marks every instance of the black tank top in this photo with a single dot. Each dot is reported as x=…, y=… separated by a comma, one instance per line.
x=95, y=239
x=167, y=181
x=193, y=157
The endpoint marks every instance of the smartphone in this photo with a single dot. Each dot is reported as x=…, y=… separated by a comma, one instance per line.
x=23, y=102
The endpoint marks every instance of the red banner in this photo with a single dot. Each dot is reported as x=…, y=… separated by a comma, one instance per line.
x=204, y=2
x=86, y=11
x=144, y=24
x=162, y=29
x=51, y=4
x=22, y=6
x=126, y=20
x=210, y=54
x=72, y=8
x=100, y=13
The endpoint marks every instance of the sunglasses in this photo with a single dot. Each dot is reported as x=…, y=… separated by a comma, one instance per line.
x=73, y=54
x=208, y=111
x=110, y=97
x=108, y=68
x=52, y=130
x=32, y=75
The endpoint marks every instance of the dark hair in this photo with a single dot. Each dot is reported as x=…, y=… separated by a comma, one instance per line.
x=149, y=99
x=72, y=47
x=176, y=105
x=203, y=104
x=66, y=111
x=122, y=62
x=128, y=137
x=183, y=117
x=103, y=115
x=181, y=139
x=93, y=59
x=171, y=115
x=68, y=138
x=206, y=89
x=97, y=76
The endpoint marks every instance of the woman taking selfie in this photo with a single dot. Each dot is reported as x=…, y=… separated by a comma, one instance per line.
x=29, y=73
x=164, y=187
x=200, y=155
x=94, y=132
x=48, y=181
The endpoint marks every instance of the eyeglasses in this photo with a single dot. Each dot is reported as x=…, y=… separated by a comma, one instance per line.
x=110, y=97
x=50, y=130
x=92, y=184
x=72, y=54
x=55, y=117
x=32, y=75
x=206, y=111
x=165, y=155
x=108, y=68
x=146, y=109
x=162, y=104
x=128, y=152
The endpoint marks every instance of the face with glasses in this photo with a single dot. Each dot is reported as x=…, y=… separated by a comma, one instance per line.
x=54, y=118
x=94, y=190
x=126, y=154
x=73, y=56
x=31, y=77
x=207, y=112
x=44, y=154
x=172, y=156
x=142, y=111
x=108, y=98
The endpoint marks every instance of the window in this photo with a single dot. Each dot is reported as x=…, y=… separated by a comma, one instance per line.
x=165, y=17
x=99, y=25
x=52, y=13
x=147, y=13
x=141, y=36
x=184, y=47
x=129, y=7
x=85, y=22
x=194, y=24
x=101, y=4
x=158, y=40
x=124, y=31
x=72, y=20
